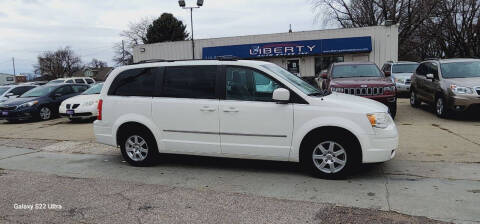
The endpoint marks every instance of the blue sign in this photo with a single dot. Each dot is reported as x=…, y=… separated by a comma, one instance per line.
x=292, y=48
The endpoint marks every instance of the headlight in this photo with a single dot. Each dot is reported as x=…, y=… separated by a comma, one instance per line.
x=26, y=105
x=89, y=103
x=388, y=89
x=379, y=120
x=399, y=80
x=461, y=90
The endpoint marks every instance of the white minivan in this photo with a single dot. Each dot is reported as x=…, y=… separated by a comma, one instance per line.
x=240, y=109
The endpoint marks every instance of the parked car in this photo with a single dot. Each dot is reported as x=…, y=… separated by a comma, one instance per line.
x=450, y=85
x=361, y=79
x=12, y=91
x=80, y=80
x=41, y=102
x=240, y=109
x=83, y=106
x=401, y=73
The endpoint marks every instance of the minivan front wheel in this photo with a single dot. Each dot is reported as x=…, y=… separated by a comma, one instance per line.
x=138, y=147
x=330, y=156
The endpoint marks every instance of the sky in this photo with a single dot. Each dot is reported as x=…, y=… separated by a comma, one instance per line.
x=92, y=27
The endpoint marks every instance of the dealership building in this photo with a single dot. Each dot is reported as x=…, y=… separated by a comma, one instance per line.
x=304, y=53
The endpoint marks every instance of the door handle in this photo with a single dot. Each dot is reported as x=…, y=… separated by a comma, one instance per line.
x=207, y=109
x=230, y=110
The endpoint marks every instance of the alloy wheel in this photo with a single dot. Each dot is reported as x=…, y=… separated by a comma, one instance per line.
x=329, y=157
x=440, y=106
x=45, y=113
x=136, y=148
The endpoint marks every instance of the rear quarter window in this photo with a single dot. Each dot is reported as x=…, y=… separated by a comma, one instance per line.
x=190, y=82
x=133, y=82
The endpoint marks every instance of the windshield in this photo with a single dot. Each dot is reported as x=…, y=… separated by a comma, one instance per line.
x=3, y=90
x=404, y=68
x=94, y=89
x=348, y=71
x=57, y=81
x=292, y=79
x=467, y=69
x=39, y=91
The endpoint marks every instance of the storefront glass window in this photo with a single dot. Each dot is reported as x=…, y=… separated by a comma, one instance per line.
x=323, y=62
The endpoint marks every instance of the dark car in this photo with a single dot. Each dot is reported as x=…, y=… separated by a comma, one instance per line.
x=362, y=79
x=40, y=103
x=449, y=85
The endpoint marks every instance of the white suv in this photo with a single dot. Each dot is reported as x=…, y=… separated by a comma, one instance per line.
x=80, y=80
x=240, y=109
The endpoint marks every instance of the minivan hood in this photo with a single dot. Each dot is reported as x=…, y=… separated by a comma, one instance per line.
x=465, y=82
x=361, y=81
x=355, y=103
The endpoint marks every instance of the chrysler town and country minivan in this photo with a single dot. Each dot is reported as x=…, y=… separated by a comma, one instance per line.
x=240, y=109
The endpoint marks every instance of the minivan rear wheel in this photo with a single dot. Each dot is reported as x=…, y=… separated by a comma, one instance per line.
x=138, y=147
x=331, y=156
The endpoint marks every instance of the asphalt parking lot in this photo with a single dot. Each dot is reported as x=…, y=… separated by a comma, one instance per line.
x=436, y=174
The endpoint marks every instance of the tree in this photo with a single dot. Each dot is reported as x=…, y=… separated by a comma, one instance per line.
x=58, y=64
x=166, y=28
x=95, y=63
x=135, y=34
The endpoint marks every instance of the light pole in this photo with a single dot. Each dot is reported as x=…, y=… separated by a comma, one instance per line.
x=181, y=3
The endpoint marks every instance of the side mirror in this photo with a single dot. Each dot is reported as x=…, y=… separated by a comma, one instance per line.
x=430, y=76
x=324, y=76
x=387, y=73
x=281, y=95
x=9, y=94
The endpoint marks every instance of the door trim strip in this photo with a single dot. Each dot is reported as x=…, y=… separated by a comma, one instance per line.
x=226, y=133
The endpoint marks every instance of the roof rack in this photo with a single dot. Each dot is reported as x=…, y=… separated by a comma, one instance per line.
x=219, y=58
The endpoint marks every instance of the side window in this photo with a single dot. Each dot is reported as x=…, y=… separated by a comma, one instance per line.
x=249, y=85
x=190, y=82
x=133, y=82
x=434, y=70
x=79, y=88
x=69, y=81
x=64, y=90
x=21, y=90
x=79, y=81
x=89, y=81
x=421, y=70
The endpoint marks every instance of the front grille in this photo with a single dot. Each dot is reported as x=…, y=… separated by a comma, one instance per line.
x=8, y=108
x=370, y=91
x=408, y=81
x=478, y=90
x=68, y=106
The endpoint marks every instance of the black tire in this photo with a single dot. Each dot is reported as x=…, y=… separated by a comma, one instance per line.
x=345, y=140
x=440, y=107
x=393, y=109
x=414, y=101
x=151, y=154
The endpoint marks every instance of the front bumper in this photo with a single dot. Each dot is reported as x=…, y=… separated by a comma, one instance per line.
x=402, y=88
x=381, y=146
x=23, y=114
x=463, y=102
x=79, y=112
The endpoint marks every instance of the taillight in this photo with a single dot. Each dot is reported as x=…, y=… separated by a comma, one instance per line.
x=99, y=108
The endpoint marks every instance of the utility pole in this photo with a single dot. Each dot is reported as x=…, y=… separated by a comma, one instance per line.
x=123, y=53
x=182, y=4
x=13, y=64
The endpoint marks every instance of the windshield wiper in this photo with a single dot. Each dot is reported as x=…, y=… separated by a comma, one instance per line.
x=316, y=94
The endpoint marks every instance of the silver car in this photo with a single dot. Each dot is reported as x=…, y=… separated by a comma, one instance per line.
x=401, y=73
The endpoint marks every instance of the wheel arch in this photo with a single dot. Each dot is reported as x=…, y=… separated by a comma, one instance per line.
x=132, y=125
x=135, y=120
x=314, y=127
